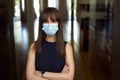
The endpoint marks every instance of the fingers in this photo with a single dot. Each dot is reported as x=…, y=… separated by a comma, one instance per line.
x=37, y=73
x=65, y=68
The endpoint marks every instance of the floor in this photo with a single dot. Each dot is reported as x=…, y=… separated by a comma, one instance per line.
x=88, y=65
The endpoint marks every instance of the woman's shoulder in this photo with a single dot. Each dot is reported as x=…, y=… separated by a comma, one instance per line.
x=32, y=47
x=31, y=51
x=67, y=44
x=69, y=48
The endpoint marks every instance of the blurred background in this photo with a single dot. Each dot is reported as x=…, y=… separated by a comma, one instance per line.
x=91, y=26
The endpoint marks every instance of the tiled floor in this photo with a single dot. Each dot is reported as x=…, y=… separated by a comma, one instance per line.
x=87, y=64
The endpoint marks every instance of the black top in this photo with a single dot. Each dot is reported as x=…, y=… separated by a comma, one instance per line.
x=49, y=60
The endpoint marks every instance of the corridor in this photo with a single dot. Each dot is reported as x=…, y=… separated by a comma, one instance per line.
x=92, y=58
x=91, y=26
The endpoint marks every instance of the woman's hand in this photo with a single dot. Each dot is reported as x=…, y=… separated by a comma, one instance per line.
x=65, y=68
x=38, y=73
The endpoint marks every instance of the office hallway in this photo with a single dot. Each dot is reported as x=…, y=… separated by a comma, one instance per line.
x=87, y=64
x=100, y=62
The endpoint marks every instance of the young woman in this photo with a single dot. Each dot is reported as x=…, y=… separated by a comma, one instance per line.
x=50, y=57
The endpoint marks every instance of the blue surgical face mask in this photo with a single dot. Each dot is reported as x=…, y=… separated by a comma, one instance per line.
x=50, y=28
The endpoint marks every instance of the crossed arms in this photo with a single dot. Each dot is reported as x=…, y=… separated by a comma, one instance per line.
x=66, y=74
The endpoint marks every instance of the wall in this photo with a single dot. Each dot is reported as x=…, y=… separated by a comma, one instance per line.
x=7, y=52
x=116, y=43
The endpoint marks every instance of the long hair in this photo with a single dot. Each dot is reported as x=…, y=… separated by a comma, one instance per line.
x=54, y=16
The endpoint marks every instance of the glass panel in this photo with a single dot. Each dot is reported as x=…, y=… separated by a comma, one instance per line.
x=17, y=8
x=23, y=5
x=53, y=3
x=37, y=14
x=96, y=22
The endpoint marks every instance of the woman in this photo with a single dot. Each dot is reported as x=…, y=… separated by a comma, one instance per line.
x=50, y=57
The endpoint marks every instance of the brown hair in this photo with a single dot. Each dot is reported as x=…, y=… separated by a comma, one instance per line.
x=53, y=14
